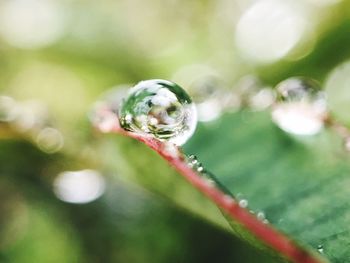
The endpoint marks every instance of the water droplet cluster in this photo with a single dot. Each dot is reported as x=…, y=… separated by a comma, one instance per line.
x=161, y=109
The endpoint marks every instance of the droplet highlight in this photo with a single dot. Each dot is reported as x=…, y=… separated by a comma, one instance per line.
x=320, y=249
x=159, y=108
x=243, y=203
x=301, y=107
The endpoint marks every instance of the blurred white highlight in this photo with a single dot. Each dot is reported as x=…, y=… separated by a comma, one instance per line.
x=269, y=30
x=299, y=118
x=31, y=23
x=79, y=187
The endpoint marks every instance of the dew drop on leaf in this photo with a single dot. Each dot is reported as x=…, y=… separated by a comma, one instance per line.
x=159, y=108
x=301, y=106
x=243, y=203
x=320, y=249
x=261, y=216
x=193, y=162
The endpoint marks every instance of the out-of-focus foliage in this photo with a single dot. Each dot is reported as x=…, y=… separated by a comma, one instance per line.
x=58, y=56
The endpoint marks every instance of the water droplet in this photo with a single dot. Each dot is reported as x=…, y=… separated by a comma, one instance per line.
x=192, y=159
x=261, y=216
x=301, y=108
x=243, y=203
x=159, y=108
x=200, y=169
x=195, y=164
x=320, y=249
x=262, y=99
x=265, y=221
x=205, y=87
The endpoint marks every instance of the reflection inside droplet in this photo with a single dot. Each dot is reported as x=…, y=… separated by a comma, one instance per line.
x=79, y=186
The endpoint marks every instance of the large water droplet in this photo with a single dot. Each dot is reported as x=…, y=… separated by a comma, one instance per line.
x=159, y=108
x=301, y=108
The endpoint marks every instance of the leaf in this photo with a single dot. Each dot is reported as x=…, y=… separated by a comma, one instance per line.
x=302, y=190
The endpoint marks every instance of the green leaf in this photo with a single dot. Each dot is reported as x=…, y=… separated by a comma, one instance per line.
x=302, y=187
x=302, y=190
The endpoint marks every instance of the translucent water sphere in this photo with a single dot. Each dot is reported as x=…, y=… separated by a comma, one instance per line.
x=301, y=107
x=159, y=108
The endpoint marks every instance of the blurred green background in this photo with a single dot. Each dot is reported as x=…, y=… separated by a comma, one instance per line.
x=60, y=202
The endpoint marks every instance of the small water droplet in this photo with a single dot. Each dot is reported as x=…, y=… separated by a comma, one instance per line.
x=263, y=99
x=320, y=249
x=261, y=216
x=192, y=159
x=195, y=164
x=243, y=203
x=200, y=169
x=159, y=108
x=265, y=221
x=172, y=150
x=301, y=108
x=205, y=87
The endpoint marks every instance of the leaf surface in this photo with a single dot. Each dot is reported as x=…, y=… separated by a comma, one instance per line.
x=301, y=187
